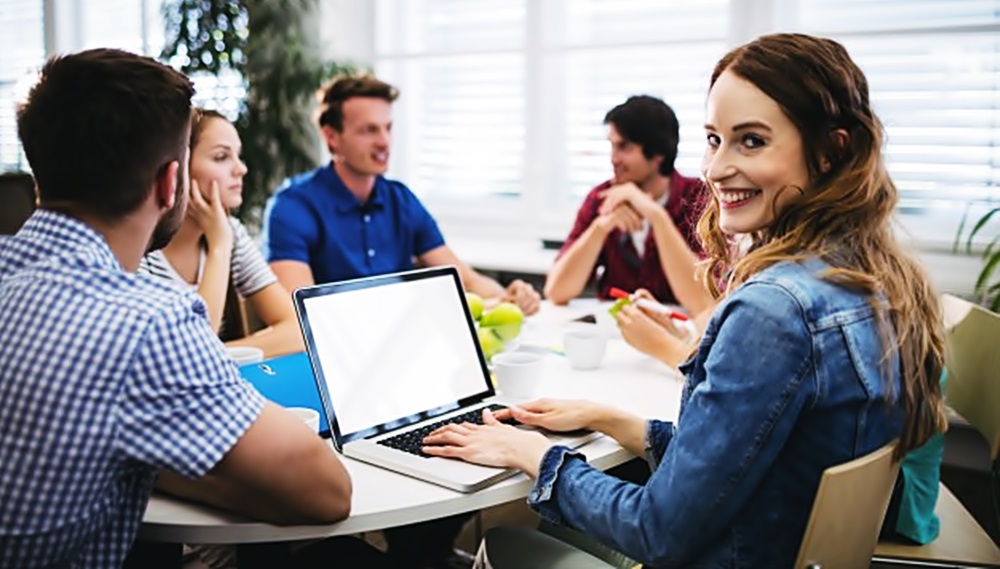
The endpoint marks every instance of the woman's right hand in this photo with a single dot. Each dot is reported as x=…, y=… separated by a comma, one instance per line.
x=662, y=319
x=554, y=414
x=642, y=332
x=562, y=415
x=211, y=217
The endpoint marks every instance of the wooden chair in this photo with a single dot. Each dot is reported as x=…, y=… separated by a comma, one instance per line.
x=973, y=391
x=848, y=512
x=961, y=543
x=843, y=527
x=17, y=201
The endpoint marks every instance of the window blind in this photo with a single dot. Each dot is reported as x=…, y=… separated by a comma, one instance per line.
x=599, y=80
x=460, y=119
x=22, y=51
x=132, y=25
x=117, y=24
x=480, y=76
x=934, y=74
x=853, y=16
x=609, y=50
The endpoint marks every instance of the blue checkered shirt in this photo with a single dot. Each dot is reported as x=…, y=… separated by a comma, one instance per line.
x=105, y=377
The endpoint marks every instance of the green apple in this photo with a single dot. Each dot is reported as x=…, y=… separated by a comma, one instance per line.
x=505, y=318
x=475, y=303
x=490, y=342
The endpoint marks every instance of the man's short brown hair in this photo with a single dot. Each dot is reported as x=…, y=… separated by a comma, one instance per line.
x=101, y=125
x=340, y=89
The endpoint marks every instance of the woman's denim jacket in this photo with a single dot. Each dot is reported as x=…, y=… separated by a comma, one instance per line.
x=787, y=381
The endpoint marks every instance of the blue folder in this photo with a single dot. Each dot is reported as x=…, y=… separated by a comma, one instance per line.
x=289, y=382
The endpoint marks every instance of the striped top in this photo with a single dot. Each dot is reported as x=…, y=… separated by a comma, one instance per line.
x=249, y=271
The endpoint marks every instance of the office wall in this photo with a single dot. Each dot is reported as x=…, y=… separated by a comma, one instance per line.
x=346, y=30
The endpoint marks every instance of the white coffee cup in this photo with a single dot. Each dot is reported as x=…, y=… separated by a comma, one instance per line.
x=308, y=416
x=518, y=374
x=585, y=347
x=243, y=355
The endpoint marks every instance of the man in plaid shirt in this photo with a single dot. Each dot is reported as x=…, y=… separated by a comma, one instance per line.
x=108, y=377
x=637, y=230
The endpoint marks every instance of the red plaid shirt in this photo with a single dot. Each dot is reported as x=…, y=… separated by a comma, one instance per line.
x=623, y=267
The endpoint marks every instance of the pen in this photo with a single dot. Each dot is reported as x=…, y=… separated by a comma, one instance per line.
x=652, y=305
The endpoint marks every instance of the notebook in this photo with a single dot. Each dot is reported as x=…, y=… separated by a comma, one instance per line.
x=393, y=354
x=289, y=382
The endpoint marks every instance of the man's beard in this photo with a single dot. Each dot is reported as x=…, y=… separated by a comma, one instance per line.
x=170, y=221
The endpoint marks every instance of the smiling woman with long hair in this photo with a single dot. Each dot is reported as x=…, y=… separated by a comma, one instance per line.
x=841, y=213
x=824, y=346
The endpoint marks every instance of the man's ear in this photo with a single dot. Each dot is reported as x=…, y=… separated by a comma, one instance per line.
x=657, y=160
x=167, y=185
x=331, y=137
x=840, y=140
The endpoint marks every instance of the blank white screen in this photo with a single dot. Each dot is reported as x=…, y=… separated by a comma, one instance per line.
x=395, y=350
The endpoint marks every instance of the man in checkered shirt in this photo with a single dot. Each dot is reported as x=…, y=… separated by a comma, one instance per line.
x=106, y=376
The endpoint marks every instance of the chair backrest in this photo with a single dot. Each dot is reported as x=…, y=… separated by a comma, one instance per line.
x=234, y=315
x=17, y=201
x=972, y=335
x=848, y=511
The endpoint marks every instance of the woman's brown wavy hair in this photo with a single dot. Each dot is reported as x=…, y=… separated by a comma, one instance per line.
x=844, y=215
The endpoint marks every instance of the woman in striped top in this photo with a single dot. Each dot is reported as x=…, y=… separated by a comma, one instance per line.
x=213, y=251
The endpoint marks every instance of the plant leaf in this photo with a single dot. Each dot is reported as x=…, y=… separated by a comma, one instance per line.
x=992, y=296
x=979, y=225
x=961, y=230
x=987, y=271
x=989, y=248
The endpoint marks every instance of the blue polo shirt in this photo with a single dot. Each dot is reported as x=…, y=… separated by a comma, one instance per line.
x=315, y=219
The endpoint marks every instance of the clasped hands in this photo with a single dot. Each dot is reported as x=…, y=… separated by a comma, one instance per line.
x=497, y=444
x=625, y=207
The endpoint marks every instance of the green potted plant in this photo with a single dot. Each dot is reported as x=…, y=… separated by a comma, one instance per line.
x=267, y=43
x=987, y=287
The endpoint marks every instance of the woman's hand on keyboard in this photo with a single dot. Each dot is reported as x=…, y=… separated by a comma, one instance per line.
x=492, y=444
x=555, y=414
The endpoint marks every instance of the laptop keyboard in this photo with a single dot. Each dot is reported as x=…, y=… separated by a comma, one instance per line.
x=412, y=441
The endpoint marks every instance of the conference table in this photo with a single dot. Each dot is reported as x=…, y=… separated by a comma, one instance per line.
x=381, y=499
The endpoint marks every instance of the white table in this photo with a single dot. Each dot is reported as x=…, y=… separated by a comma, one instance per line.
x=504, y=255
x=382, y=499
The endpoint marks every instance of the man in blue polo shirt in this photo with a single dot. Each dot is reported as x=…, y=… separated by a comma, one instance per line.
x=345, y=220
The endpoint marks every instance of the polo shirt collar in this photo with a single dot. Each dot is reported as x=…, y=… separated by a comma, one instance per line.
x=345, y=201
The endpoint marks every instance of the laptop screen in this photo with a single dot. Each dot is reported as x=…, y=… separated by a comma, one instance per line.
x=392, y=350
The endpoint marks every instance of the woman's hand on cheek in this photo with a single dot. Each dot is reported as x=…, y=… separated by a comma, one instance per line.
x=211, y=216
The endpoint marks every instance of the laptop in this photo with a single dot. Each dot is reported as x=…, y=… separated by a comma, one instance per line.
x=394, y=355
